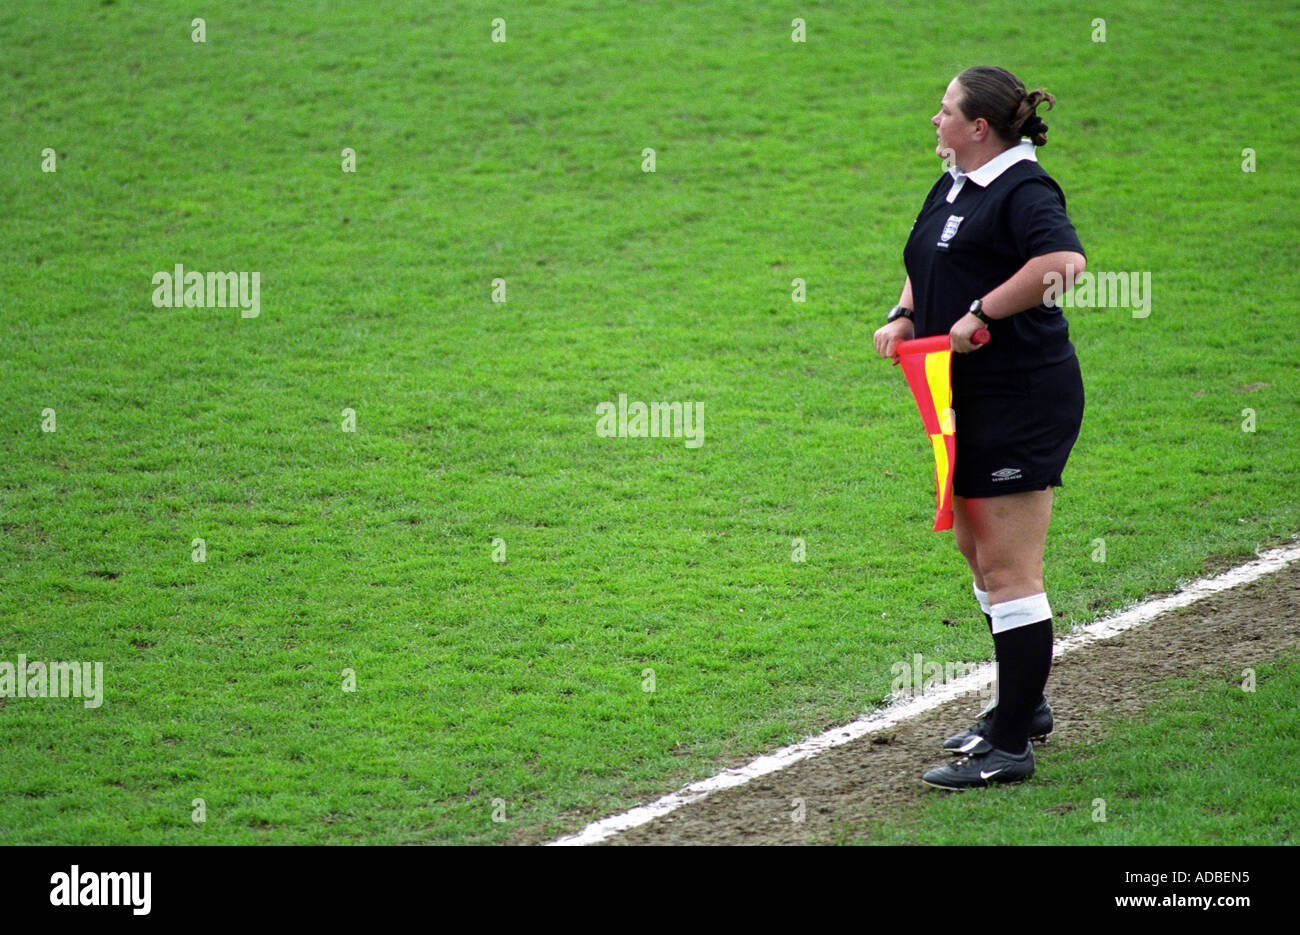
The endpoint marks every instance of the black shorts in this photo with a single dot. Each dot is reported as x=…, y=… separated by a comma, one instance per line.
x=1015, y=430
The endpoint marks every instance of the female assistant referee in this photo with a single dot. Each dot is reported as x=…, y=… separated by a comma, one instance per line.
x=990, y=232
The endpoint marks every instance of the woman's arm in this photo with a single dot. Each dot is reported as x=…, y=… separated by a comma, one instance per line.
x=888, y=336
x=1025, y=290
x=905, y=299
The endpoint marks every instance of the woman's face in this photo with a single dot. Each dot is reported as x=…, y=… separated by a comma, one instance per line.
x=952, y=128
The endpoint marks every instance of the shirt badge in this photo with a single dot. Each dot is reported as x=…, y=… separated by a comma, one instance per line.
x=950, y=228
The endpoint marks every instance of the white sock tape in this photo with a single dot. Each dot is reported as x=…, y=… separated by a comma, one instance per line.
x=1020, y=613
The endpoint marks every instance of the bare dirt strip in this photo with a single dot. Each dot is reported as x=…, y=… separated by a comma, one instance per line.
x=878, y=776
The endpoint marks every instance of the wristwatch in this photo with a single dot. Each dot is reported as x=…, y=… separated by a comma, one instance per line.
x=898, y=312
x=977, y=309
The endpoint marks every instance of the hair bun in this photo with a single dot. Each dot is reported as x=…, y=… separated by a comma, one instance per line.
x=1033, y=127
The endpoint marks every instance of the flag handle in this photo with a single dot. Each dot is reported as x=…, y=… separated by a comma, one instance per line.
x=940, y=342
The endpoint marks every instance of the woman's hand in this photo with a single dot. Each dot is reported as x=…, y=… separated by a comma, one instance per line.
x=887, y=337
x=959, y=336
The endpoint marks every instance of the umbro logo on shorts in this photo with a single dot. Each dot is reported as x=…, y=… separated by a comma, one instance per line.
x=1006, y=474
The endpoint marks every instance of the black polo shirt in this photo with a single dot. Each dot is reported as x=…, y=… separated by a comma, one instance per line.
x=961, y=250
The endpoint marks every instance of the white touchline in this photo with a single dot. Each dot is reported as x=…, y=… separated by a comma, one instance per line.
x=1267, y=563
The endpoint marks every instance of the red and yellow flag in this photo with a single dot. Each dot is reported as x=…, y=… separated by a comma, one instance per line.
x=926, y=363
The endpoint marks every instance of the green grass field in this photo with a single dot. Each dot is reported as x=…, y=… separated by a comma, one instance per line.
x=516, y=689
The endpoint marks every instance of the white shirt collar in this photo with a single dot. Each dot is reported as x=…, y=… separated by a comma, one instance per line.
x=985, y=174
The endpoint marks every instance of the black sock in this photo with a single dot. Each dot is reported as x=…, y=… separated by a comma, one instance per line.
x=989, y=708
x=1024, y=657
x=989, y=617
